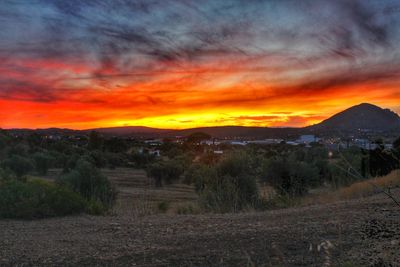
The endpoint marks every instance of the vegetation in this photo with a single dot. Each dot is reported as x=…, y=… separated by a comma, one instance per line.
x=230, y=182
x=87, y=180
x=43, y=162
x=359, y=189
x=18, y=164
x=289, y=176
x=165, y=172
x=37, y=199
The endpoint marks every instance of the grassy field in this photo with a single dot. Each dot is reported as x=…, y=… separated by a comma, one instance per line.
x=358, y=190
x=138, y=196
x=356, y=232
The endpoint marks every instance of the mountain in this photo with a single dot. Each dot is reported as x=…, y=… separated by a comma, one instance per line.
x=217, y=131
x=130, y=131
x=242, y=131
x=365, y=117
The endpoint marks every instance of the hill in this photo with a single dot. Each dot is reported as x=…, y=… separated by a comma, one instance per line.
x=365, y=117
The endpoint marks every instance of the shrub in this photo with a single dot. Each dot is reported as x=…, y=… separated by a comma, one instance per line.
x=233, y=188
x=6, y=174
x=98, y=158
x=4, y=140
x=87, y=180
x=188, y=209
x=95, y=208
x=95, y=141
x=360, y=189
x=37, y=199
x=42, y=162
x=199, y=175
x=165, y=172
x=115, y=160
x=18, y=164
x=163, y=206
x=141, y=160
x=289, y=176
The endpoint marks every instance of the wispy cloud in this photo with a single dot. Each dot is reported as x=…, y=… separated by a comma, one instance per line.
x=138, y=59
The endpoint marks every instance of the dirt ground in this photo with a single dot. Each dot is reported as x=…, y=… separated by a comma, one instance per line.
x=354, y=233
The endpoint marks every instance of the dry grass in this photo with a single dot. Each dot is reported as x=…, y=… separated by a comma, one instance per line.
x=139, y=197
x=358, y=190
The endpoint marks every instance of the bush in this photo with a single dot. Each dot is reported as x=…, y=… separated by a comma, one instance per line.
x=199, y=175
x=37, y=199
x=18, y=164
x=141, y=160
x=233, y=188
x=188, y=209
x=165, y=172
x=6, y=174
x=163, y=206
x=42, y=162
x=289, y=176
x=87, y=180
x=4, y=140
x=95, y=208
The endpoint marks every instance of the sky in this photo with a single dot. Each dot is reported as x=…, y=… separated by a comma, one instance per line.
x=183, y=64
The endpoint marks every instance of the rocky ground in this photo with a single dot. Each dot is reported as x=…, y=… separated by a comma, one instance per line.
x=356, y=233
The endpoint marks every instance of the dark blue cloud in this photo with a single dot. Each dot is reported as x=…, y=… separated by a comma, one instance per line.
x=123, y=36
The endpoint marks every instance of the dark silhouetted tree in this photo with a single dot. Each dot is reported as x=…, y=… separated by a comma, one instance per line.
x=95, y=141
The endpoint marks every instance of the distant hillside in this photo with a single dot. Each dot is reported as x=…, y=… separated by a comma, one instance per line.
x=217, y=131
x=242, y=131
x=361, y=117
x=130, y=131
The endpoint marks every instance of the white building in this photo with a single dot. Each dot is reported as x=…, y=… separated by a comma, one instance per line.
x=307, y=139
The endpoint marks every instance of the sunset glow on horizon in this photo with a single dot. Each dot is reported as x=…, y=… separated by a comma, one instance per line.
x=183, y=64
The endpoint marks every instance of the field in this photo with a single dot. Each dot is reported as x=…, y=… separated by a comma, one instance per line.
x=357, y=232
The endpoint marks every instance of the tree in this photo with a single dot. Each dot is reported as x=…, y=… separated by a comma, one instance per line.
x=115, y=145
x=95, y=141
x=196, y=138
x=232, y=186
x=199, y=175
x=89, y=182
x=43, y=162
x=290, y=177
x=382, y=162
x=165, y=172
x=18, y=164
x=142, y=160
x=4, y=140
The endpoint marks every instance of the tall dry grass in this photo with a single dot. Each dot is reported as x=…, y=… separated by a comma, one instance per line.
x=357, y=190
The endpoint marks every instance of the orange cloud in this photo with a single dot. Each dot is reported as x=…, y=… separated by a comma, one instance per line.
x=241, y=91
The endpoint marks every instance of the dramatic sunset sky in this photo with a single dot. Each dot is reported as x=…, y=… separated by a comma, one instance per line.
x=183, y=63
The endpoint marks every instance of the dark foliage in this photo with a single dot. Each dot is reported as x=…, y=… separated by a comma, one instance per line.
x=87, y=180
x=37, y=199
x=18, y=164
x=165, y=172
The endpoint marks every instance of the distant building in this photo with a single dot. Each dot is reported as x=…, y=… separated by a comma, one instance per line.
x=210, y=142
x=218, y=152
x=238, y=143
x=265, y=141
x=307, y=139
x=292, y=143
x=153, y=142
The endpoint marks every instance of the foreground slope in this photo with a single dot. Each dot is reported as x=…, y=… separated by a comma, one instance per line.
x=362, y=232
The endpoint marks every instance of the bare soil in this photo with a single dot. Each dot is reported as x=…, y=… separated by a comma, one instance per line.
x=362, y=232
